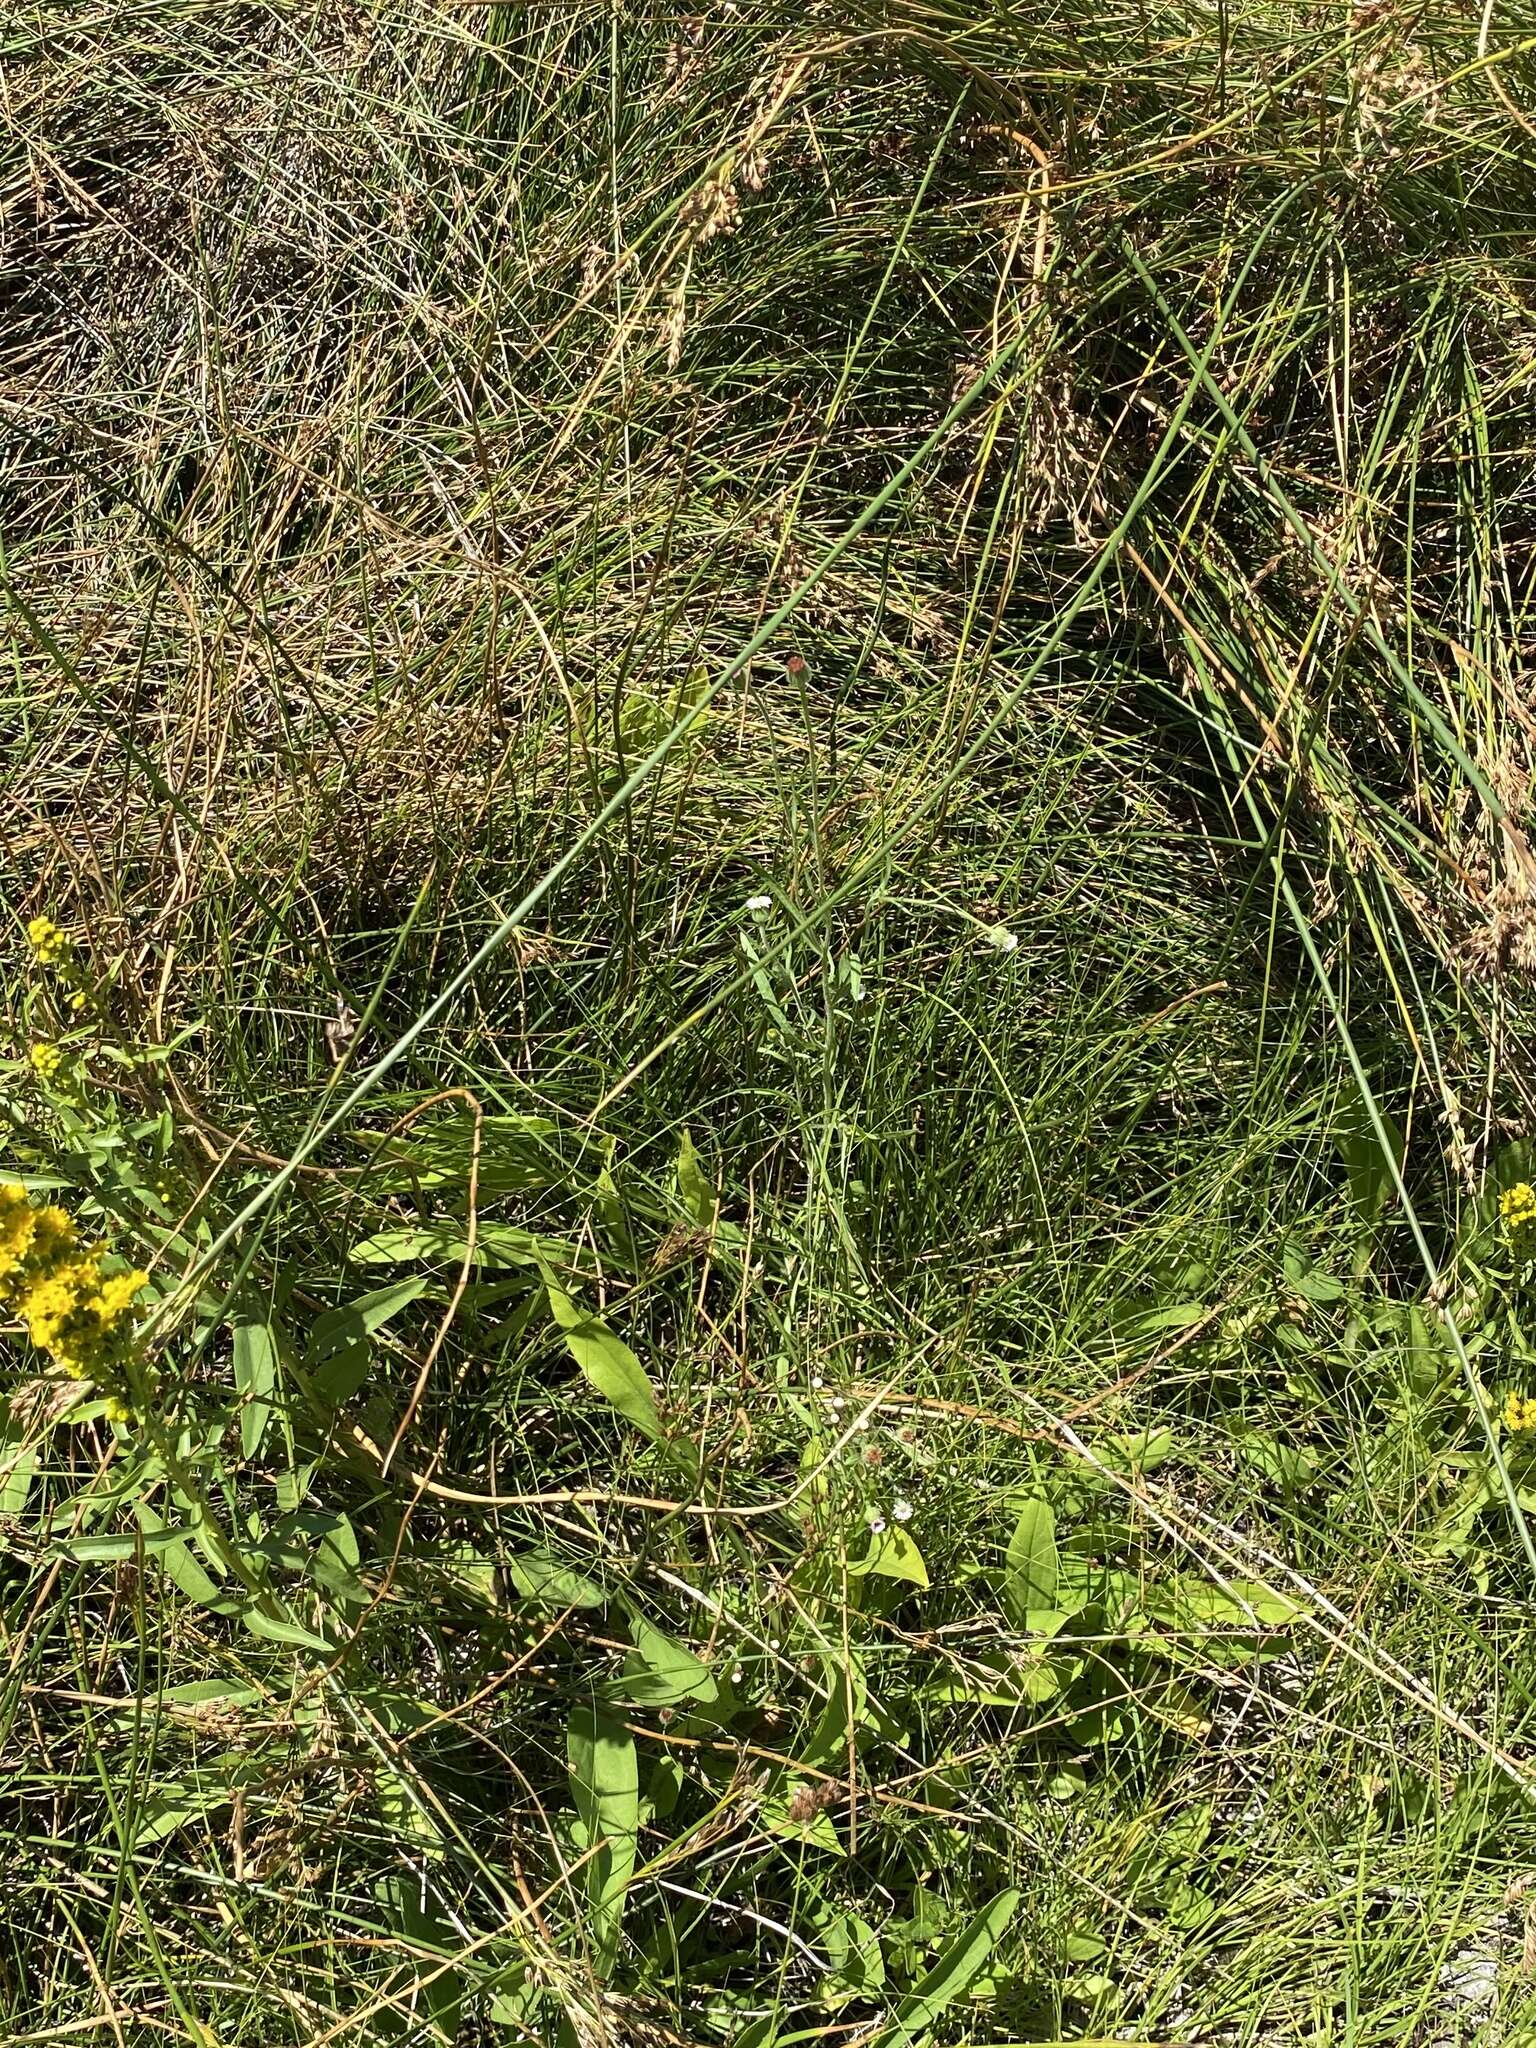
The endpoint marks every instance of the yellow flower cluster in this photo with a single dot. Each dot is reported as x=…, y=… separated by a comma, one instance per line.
x=1519, y=1412
x=49, y=945
x=47, y=1060
x=1517, y=1206
x=56, y=1288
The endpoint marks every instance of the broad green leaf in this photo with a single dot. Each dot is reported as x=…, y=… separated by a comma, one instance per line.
x=291, y=1487
x=255, y=1378
x=1238, y=1604
x=808, y=1824
x=1158, y=1322
x=469, y=1571
x=1140, y=1451
x=662, y=1671
x=420, y=1918
x=198, y=1692
x=694, y=1185
x=178, y=1563
x=334, y=1559
x=1270, y=1606
x=853, y=1949
x=18, y=1462
x=1427, y=1355
x=892, y=1554
x=444, y=1244
x=515, y=2004
x=665, y=1789
x=514, y=1155
x=538, y=1576
x=1083, y=1947
x=959, y=1965
x=1287, y=1466
x=1188, y=1905
x=1176, y=1706
x=610, y=1207
x=403, y=1810
x=609, y=1364
x=338, y=1349
x=113, y=1549
x=1000, y=1681
x=1367, y=1165
x=1068, y=1782
x=273, y=1630
x=845, y=1706
x=172, y=1807
x=605, y=1785
x=339, y=1327
x=1033, y=1565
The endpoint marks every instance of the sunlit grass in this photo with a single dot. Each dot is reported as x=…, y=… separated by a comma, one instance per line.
x=892, y=1423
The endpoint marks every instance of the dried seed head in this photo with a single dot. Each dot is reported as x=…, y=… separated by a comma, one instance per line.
x=1506, y=942
x=674, y=322
x=683, y=48
x=806, y=1801
x=714, y=208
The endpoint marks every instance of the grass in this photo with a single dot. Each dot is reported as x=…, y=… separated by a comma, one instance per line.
x=788, y=755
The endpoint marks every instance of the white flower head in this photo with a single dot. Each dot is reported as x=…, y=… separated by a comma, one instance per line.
x=1001, y=940
x=902, y=1511
x=876, y=1523
x=757, y=904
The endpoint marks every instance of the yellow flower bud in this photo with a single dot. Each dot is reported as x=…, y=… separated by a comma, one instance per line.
x=49, y=945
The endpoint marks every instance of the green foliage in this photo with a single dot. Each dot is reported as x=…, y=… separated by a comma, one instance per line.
x=902, y=1418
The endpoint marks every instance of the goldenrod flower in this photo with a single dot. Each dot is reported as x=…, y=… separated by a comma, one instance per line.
x=47, y=1061
x=53, y=1235
x=49, y=944
x=57, y=1290
x=115, y=1296
x=1519, y=1412
x=18, y=1223
x=1517, y=1206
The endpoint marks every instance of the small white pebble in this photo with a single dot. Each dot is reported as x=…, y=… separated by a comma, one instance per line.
x=737, y=1675
x=818, y=1381
x=838, y=1401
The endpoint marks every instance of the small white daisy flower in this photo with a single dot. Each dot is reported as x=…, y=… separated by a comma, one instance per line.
x=902, y=1511
x=757, y=903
